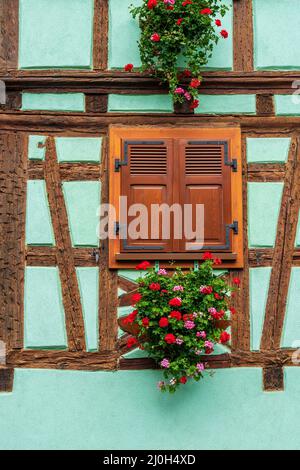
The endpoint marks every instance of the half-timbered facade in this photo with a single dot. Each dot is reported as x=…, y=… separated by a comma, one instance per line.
x=68, y=101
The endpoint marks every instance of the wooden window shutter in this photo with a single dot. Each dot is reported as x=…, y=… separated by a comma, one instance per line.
x=176, y=166
x=205, y=178
x=147, y=168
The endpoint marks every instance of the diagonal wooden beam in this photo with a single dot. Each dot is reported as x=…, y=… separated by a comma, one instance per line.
x=64, y=251
x=283, y=252
x=126, y=284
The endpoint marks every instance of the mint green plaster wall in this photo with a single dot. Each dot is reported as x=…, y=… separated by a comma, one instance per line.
x=276, y=34
x=82, y=200
x=140, y=103
x=259, y=287
x=56, y=33
x=88, y=279
x=291, y=330
x=124, y=35
x=44, y=312
x=53, y=409
x=265, y=150
x=263, y=211
x=298, y=234
x=78, y=149
x=35, y=151
x=226, y=104
x=287, y=105
x=38, y=221
x=209, y=104
x=69, y=102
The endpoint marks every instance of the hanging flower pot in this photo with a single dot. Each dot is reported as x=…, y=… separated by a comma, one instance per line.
x=178, y=318
x=174, y=32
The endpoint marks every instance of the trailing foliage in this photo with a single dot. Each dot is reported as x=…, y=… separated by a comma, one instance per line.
x=177, y=318
x=173, y=31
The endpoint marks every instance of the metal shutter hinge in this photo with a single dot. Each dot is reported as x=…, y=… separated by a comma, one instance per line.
x=233, y=164
x=119, y=163
x=235, y=227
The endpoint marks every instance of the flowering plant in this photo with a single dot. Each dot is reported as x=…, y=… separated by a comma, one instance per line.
x=171, y=29
x=180, y=318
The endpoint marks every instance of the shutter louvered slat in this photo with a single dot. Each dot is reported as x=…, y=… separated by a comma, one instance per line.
x=203, y=160
x=148, y=160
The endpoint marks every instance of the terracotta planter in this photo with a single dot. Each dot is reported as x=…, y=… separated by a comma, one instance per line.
x=183, y=108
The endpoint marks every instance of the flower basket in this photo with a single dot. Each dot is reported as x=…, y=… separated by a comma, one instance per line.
x=174, y=32
x=178, y=318
x=135, y=330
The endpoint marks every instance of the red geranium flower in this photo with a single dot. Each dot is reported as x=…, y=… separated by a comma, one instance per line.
x=206, y=11
x=217, y=261
x=145, y=321
x=175, y=302
x=207, y=255
x=170, y=339
x=236, y=281
x=155, y=37
x=187, y=2
x=175, y=314
x=225, y=337
x=136, y=298
x=232, y=310
x=128, y=67
x=217, y=296
x=131, y=317
x=186, y=73
x=154, y=286
x=209, y=350
x=195, y=83
x=170, y=7
x=179, y=21
x=194, y=104
x=187, y=316
x=131, y=342
x=224, y=33
x=218, y=23
x=152, y=4
x=163, y=322
x=143, y=265
x=164, y=291
x=183, y=380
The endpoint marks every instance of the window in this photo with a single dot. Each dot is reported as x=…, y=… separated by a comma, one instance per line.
x=161, y=175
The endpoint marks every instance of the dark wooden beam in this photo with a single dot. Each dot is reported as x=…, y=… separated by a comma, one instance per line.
x=9, y=38
x=273, y=379
x=104, y=82
x=243, y=50
x=6, y=380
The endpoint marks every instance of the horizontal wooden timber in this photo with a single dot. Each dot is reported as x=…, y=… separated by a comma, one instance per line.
x=214, y=82
x=266, y=172
x=68, y=171
x=172, y=256
x=264, y=359
x=264, y=257
x=46, y=256
x=47, y=359
x=90, y=123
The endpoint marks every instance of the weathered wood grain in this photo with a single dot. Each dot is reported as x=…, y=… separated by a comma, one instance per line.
x=9, y=27
x=12, y=230
x=6, y=380
x=64, y=251
x=283, y=252
x=108, y=285
x=243, y=50
x=265, y=105
x=273, y=379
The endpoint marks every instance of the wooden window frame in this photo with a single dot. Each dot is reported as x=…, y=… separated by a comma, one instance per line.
x=117, y=134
